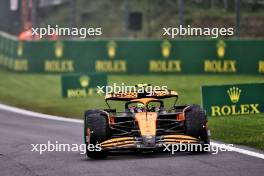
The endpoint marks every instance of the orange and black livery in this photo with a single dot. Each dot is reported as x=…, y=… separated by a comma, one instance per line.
x=145, y=124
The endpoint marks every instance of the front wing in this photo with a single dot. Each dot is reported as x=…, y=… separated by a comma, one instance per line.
x=136, y=142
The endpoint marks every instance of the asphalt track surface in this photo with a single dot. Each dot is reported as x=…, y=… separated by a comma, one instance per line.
x=18, y=131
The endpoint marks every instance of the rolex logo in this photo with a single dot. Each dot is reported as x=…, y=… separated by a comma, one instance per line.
x=84, y=81
x=234, y=94
x=111, y=49
x=59, y=49
x=20, y=49
x=165, y=49
x=221, y=48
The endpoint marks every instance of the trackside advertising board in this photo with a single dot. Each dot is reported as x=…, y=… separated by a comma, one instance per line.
x=82, y=85
x=236, y=99
x=119, y=57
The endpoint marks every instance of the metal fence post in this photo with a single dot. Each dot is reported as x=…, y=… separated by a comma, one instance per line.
x=125, y=9
x=181, y=11
x=237, y=10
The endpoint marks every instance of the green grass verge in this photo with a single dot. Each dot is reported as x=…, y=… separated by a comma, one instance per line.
x=42, y=93
x=243, y=130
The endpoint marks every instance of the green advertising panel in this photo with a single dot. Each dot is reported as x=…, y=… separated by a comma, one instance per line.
x=134, y=56
x=147, y=57
x=236, y=99
x=82, y=85
x=12, y=54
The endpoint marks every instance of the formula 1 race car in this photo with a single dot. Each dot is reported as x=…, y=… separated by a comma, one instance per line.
x=145, y=124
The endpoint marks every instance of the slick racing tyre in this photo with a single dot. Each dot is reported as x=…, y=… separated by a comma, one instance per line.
x=96, y=130
x=195, y=124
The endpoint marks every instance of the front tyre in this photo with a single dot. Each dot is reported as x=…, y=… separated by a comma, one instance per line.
x=196, y=124
x=96, y=130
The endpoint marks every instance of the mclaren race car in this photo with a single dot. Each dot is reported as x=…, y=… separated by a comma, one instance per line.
x=145, y=124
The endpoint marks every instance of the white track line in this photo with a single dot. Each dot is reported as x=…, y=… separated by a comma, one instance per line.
x=238, y=150
x=51, y=117
x=38, y=115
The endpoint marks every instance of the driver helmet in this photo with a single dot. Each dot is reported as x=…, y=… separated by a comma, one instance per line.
x=140, y=107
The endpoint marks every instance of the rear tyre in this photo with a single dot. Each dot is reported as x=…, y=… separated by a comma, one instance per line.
x=96, y=130
x=196, y=125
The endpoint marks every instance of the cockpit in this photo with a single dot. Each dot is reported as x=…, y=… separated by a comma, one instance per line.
x=144, y=105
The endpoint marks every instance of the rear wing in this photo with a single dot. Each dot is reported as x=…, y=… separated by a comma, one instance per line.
x=126, y=96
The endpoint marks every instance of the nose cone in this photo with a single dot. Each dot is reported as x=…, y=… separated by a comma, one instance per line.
x=147, y=123
x=149, y=141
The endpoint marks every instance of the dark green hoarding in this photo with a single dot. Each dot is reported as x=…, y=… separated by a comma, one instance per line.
x=82, y=84
x=134, y=56
x=235, y=99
